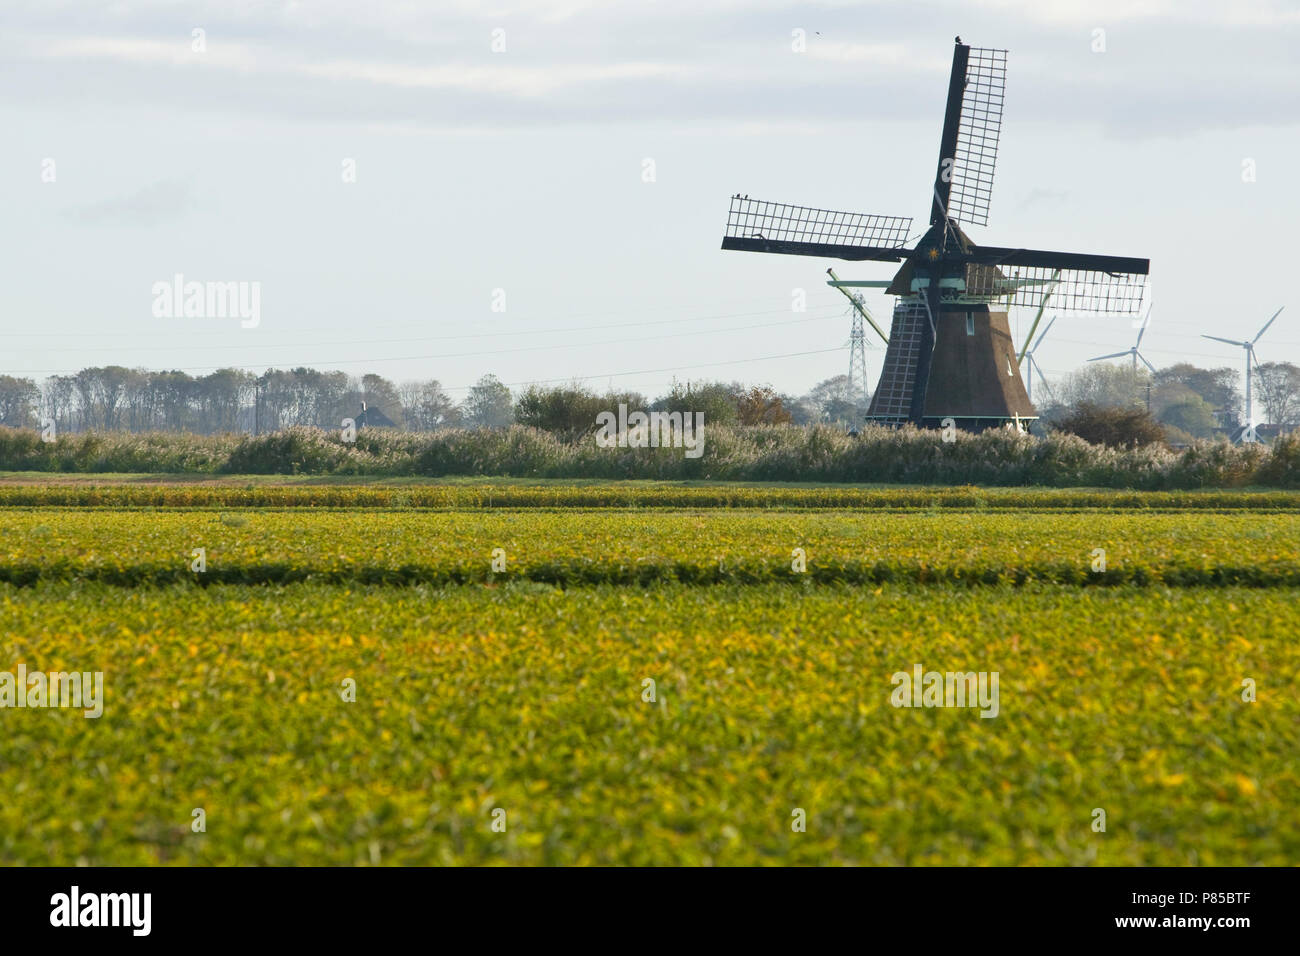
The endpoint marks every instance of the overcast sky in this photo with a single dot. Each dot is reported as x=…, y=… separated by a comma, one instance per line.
x=524, y=170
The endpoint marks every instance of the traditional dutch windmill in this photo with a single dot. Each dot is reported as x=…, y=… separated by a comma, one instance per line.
x=950, y=353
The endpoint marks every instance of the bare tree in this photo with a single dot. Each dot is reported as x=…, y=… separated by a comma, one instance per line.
x=489, y=404
x=1104, y=385
x=60, y=399
x=1279, y=393
x=18, y=401
x=426, y=407
x=102, y=394
x=379, y=392
x=834, y=400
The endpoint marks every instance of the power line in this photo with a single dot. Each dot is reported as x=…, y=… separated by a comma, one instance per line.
x=466, y=335
x=523, y=331
x=407, y=358
x=655, y=371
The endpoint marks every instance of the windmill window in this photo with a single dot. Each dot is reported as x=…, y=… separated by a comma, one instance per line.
x=970, y=324
x=1010, y=373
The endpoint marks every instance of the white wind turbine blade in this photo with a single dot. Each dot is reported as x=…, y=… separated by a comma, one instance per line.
x=1229, y=341
x=1146, y=320
x=1266, y=325
x=1038, y=317
x=1043, y=336
x=1144, y=361
x=1042, y=380
x=1112, y=355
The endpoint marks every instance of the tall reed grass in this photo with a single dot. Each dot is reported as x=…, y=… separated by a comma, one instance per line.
x=738, y=453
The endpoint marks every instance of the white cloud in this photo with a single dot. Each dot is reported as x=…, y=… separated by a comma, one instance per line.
x=154, y=204
x=148, y=52
x=505, y=78
x=1103, y=13
x=496, y=75
x=882, y=55
x=680, y=62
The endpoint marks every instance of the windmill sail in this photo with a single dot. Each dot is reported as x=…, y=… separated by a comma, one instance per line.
x=1076, y=282
x=979, y=127
x=948, y=140
x=757, y=226
x=1071, y=290
x=892, y=401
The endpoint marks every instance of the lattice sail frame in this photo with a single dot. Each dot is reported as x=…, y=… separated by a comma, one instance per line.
x=892, y=401
x=758, y=219
x=1070, y=290
x=979, y=128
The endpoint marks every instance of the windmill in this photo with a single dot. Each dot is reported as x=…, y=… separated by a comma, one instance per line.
x=1028, y=356
x=1250, y=358
x=857, y=341
x=950, y=354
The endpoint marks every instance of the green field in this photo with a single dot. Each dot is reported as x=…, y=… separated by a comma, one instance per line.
x=524, y=691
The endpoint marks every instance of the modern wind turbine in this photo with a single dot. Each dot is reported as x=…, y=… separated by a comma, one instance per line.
x=1250, y=358
x=1133, y=351
x=1028, y=356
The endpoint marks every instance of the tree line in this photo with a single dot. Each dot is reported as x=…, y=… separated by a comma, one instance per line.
x=1187, y=401
x=116, y=398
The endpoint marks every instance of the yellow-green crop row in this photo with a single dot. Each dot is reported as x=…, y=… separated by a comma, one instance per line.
x=706, y=547
x=556, y=495
x=533, y=701
x=330, y=718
